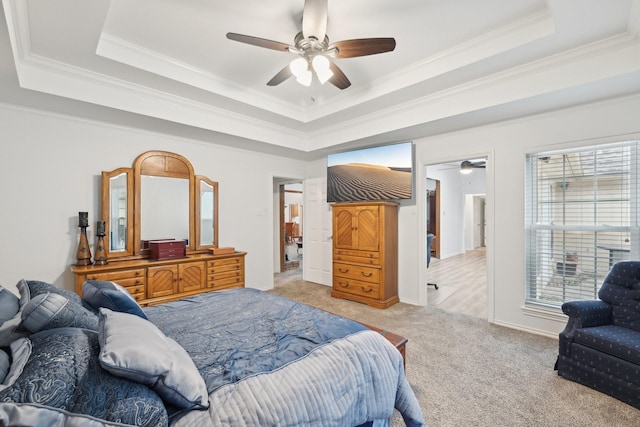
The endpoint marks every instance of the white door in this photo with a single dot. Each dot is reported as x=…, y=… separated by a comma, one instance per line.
x=317, y=249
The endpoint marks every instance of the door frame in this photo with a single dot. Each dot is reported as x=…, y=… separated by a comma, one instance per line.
x=436, y=240
x=489, y=220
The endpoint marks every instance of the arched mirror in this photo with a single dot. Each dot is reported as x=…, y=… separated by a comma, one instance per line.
x=159, y=198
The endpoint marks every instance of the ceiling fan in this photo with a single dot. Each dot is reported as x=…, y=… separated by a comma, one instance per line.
x=467, y=166
x=313, y=49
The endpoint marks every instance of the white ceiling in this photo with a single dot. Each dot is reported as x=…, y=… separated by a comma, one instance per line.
x=457, y=63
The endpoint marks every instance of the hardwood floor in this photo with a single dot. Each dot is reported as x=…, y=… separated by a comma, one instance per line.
x=462, y=283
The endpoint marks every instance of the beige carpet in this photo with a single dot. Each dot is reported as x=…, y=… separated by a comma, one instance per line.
x=466, y=372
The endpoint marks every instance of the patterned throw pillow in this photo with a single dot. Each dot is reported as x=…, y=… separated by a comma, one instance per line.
x=9, y=305
x=62, y=383
x=48, y=311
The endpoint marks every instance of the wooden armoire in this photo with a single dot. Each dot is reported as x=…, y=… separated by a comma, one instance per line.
x=365, y=252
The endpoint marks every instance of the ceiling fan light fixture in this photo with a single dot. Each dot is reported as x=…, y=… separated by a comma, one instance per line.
x=299, y=67
x=321, y=66
x=305, y=78
x=466, y=169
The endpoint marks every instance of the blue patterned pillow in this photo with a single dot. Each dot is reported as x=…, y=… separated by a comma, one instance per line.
x=11, y=329
x=37, y=287
x=49, y=311
x=20, y=352
x=4, y=365
x=110, y=295
x=62, y=383
x=9, y=305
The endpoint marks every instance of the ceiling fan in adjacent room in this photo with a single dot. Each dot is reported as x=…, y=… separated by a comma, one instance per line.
x=467, y=166
x=314, y=51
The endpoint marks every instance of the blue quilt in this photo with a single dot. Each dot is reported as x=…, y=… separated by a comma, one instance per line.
x=268, y=360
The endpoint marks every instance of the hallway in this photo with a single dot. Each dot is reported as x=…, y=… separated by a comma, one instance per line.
x=462, y=283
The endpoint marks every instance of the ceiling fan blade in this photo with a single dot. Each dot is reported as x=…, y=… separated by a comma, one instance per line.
x=338, y=79
x=282, y=75
x=257, y=41
x=314, y=19
x=364, y=47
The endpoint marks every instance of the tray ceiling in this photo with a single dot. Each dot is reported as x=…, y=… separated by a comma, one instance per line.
x=457, y=63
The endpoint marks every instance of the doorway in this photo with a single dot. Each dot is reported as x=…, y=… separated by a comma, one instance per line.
x=291, y=216
x=433, y=215
x=459, y=267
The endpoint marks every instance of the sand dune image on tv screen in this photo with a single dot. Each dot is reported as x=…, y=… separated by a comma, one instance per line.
x=363, y=182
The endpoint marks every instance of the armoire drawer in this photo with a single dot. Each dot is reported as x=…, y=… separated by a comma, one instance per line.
x=356, y=287
x=357, y=272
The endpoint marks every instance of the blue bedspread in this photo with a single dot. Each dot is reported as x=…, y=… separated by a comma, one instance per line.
x=268, y=360
x=240, y=332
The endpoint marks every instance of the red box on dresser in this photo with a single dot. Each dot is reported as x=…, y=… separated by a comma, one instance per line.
x=168, y=249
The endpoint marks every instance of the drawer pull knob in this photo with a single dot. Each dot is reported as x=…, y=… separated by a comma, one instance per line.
x=344, y=285
x=366, y=275
x=366, y=290
x=343, y=271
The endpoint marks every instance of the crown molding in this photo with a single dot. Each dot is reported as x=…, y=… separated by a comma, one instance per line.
x=120, y=50
x=576, y=67
x=569, y=69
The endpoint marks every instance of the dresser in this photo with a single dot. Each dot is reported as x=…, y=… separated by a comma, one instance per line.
x=365, y=253
x=157, y=281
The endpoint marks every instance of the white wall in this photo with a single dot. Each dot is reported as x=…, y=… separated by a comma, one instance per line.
x=51, y=169
x=507, y=144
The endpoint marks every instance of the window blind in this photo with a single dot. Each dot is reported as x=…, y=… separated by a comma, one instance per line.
x=581, y=217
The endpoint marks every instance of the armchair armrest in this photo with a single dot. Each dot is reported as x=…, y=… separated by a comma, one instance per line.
x=582, y=314
x=586, y=314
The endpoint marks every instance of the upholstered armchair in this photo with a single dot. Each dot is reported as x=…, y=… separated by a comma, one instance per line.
x=600, y=346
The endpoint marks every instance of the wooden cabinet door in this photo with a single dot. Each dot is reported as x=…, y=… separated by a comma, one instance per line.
x=367, y=228
x=192, y=276
x=343, y=227
x=356, y=228
x=162, y=281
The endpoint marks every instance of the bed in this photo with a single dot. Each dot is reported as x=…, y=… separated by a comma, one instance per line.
x=240, y=357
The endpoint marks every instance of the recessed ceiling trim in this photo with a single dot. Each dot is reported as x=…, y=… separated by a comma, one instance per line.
x=17, y=18
x=53, y=77
x=526, y=30
x=570, y=69
x=122, y=51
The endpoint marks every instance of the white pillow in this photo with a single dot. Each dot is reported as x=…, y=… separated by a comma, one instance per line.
x=134, y=348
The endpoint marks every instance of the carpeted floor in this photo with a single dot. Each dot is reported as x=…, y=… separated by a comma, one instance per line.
x=467, y=372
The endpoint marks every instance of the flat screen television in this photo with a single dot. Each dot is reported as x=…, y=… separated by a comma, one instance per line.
x=382, y=173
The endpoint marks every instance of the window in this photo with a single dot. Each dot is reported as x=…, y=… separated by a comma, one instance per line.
x=581, y=212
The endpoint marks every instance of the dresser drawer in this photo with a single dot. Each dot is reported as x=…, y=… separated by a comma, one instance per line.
x=223, y=275
x=223, y=265
x=356, y=287
x=138, y=292
x=133, y=280
x=357, y=272
x=120, y=276
x=231, y=282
